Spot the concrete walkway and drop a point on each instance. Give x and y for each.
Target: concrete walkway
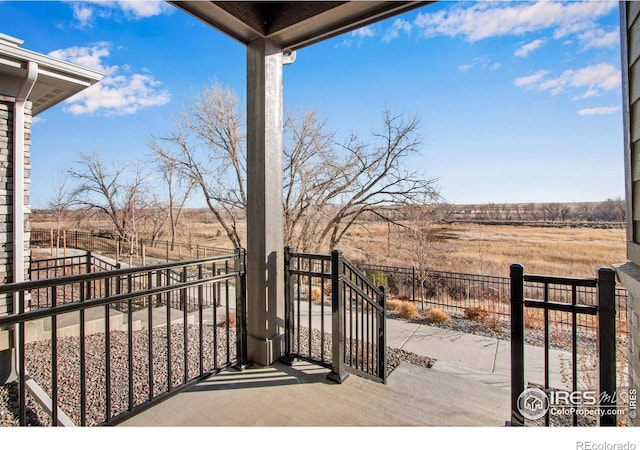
(477, 357)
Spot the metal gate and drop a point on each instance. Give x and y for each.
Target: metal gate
(569, 302)
(327, 297)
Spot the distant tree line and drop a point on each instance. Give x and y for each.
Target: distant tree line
(610, 210)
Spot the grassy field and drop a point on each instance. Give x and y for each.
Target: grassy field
(490, 249)
(457, 247)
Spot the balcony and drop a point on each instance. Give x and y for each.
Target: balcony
(175, 352)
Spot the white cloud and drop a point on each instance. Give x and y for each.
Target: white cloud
(530, 79)
(357, 36)
(599, 38)
(143, 8)
(598, 110)
(398, 26)
(364, 32)
(118, 93)
(596, 79)
(89, 57)
(482, 63)
(528, 48)
(84, 12)
(492, 19)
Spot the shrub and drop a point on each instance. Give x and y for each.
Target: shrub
(403, 297)
(476, 313)
(436, 315)
(394, 305)
(533, 318)
(408, 310)
(316, 293)
(229, 322)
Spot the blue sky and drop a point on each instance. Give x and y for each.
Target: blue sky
(517, 102)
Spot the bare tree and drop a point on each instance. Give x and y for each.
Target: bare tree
(426, 242)
(554, 212)
(307, 178)
(207, 146)
(330, 187)
(179, 187)
(153, 219)
(60, 204)
(117, 193)
(585, 211)
(369, 178)
(610, 210)
(327, 187)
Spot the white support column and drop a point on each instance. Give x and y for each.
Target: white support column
(265, 242)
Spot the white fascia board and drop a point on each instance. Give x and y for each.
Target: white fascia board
(54, 66)
(63, 77)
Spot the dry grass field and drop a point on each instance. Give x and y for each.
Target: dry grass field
(490, 249)
(456, 247)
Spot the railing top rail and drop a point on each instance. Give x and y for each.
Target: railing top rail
(559, 306)
(566, 281)
(49, 282)
(431, 271)
(113, 298)
(58, 258)
(92, 233)
(311, 255)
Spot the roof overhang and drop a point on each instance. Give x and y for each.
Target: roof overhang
(292, 25)
(56, 81)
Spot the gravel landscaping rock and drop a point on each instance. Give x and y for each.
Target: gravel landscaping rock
(38, 361)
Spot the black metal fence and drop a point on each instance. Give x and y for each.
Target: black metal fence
(89, 262)
(565, 300)
(89, 363)
(460, 293)
(325, 297)
(112, 245)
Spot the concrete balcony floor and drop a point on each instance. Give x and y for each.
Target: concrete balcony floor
(281, 396)
(468, 385)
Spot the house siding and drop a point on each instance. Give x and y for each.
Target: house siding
(629, 274)
(6, 194)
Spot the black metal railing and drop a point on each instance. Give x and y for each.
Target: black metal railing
(325, 297)
(89, 363)
(362, 323)
(557, 300)
(308, 307)
(64, 266)
(91, 262)
(460, 293)
(112, 245)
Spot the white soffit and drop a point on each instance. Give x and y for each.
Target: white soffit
(57, 80)
(292, 25)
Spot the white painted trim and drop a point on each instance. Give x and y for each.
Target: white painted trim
(49, 63)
